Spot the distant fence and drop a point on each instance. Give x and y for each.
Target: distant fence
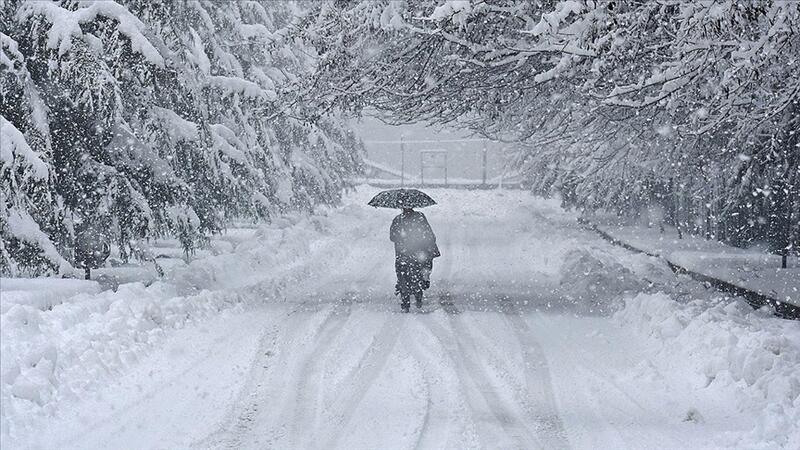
(439, 162)
(382, 175)
(385, 184)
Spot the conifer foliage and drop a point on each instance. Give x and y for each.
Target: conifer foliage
(148, 119)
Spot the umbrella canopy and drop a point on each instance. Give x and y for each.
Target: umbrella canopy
(401, 198)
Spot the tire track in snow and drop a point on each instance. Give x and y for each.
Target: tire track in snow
(304, 412)
(245, 408)
(436, 430)
(515, 422)
(295, 408)
(550, 432)
(268, 382)
(424, 427)
(489, 411)
(534, 393)
(302, 404)
(470, 377)
(282, 374)
(372, 362)
(610, 431)
(543, 410)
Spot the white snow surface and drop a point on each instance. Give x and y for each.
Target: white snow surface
(457, 11)
(13, 145)
(535, 334)
(178, 128)
(753, 269)
(240, 86)
(66, 24)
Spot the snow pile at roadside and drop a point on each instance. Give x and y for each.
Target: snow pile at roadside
(727, 350)
(753, 268)
(58, 353)
(595, 280)
(63, 348)
(42, 293)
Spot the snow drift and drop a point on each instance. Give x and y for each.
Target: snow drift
(728, 351)
(61, 338)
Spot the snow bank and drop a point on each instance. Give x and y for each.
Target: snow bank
(60, 353)
(594, 279)
(58, 347)
(42, 293)
(751, 269)
(727, 350)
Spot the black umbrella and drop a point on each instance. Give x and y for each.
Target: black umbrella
(401, 198)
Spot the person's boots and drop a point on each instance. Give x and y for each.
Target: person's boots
(419, 299)
(405, 302)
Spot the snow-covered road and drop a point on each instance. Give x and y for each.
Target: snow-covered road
(524, 342)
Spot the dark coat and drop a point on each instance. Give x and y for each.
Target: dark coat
(413, 237)
(415, 247)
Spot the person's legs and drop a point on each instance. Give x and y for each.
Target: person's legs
(411, 280)
(405, 302)
(402, 269)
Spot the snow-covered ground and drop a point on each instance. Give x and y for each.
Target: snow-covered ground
(752, 269)
(535, 334)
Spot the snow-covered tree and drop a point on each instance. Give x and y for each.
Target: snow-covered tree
(617, 104)
(148, 119)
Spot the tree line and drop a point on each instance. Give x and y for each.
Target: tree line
(692, 106)
(146, 119)
(149, 119)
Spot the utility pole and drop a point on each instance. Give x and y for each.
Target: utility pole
(422, 168)
(505, 166)
(445, 170)
(402, 162)
(483, 173)
(787, 242)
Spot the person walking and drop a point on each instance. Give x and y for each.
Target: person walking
(414, 242)
(415, 248)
